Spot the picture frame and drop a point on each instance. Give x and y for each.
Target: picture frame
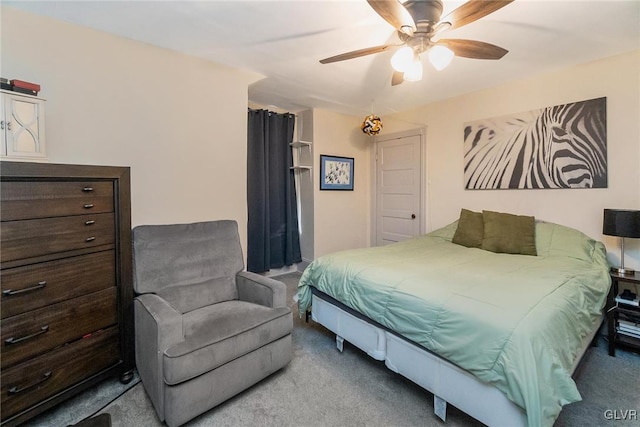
(336, 173)
(557, 147)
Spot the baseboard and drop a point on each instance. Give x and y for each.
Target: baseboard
(298, 267)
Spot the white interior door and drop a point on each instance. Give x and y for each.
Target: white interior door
(398, 208)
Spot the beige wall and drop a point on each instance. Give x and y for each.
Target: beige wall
(341, 218)
(179, 122)
(617, 78)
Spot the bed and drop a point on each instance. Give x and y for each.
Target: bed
(496, 335)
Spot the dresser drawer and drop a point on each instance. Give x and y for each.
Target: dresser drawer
(36, 237)
(37, 379)
(39, 285)
(27, 200)
(36, 332)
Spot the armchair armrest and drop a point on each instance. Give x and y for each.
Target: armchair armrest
(261, 290)
(157, 327)
(167, 320)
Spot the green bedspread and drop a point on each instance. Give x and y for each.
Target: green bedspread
(514, 321)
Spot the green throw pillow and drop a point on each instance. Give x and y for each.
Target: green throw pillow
(510, 234)
(470, 231)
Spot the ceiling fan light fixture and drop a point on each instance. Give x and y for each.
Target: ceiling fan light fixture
(440, 56)
(414, 72)
(402, 59)
(419, 25)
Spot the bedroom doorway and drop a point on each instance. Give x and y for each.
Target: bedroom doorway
(398, 202)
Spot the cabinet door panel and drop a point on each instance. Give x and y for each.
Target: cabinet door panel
(24, 126)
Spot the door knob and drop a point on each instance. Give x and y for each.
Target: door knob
(413, 216)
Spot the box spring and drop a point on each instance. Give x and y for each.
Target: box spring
(430, 371)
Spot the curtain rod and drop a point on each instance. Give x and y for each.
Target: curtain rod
(249, 110)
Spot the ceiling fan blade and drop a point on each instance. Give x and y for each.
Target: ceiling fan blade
(397, 78)
(472, 11)
(395, 14)
(356, 53)
(473, 49)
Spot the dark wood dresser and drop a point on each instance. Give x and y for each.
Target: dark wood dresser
(65, 260)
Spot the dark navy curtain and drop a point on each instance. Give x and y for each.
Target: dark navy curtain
(273, 237)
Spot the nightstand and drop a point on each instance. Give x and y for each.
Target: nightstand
(625, 312)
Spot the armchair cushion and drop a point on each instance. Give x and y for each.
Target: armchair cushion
(186, 298)
(222, 332)
(183, 254)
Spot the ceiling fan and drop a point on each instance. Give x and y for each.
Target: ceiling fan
(419, 24)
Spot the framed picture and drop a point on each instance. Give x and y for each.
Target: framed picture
(336, 173)
(561, 146)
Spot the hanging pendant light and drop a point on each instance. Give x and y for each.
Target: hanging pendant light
(371, 125)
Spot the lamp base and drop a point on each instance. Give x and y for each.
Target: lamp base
(623, 271)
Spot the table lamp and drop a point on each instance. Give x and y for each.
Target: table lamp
(621, 223)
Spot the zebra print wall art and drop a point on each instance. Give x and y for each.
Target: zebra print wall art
(564, 146)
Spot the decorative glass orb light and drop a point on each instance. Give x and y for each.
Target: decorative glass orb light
(440, 56)
(402, 59)
(414, 72)
(372, 125)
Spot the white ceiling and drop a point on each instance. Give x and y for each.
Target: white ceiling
(284, 40)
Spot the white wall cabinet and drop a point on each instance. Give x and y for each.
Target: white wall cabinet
(22, 127)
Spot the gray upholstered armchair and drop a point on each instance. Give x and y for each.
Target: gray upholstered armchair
(204, 329)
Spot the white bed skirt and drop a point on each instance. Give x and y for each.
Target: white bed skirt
(445, 380)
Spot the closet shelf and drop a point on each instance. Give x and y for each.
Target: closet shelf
(298, 144)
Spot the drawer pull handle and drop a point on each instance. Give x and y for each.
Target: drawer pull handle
(90, 222)
(10, 292)
(87, 189)
(16, 389)
(88, 206)
(90, 239)
(13, 340)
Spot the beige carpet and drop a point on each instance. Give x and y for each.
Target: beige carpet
(323, 387)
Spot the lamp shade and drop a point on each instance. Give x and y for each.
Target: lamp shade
(440, 56)
(402, 59)
(371, 125)
(621, 223)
